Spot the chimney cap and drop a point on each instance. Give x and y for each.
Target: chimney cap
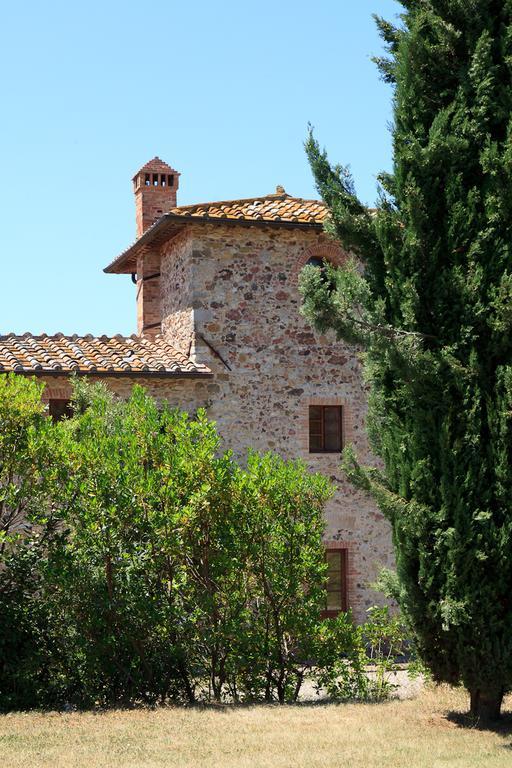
(156, 165)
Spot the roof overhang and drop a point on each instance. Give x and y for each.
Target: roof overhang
(170, 224)
(115, 374)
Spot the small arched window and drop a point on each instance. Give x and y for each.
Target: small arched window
(315, 261)
(320, 263)
(322, 256)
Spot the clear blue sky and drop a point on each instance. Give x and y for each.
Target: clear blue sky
(222, 91)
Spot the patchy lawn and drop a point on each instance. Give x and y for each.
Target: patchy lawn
(414, 733)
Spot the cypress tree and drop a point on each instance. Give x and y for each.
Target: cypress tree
(431, 308)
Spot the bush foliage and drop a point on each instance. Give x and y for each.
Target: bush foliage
(141, 563)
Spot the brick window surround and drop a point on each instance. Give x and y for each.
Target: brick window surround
(327, 251)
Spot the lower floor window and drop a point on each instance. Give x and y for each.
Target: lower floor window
(60, 409)
(336, 587)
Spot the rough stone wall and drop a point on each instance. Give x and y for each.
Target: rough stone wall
(243, 293)
(186, 394)
(176, 299)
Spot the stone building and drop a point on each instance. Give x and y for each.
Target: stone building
(218, 325)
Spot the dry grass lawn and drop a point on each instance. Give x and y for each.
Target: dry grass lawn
(408, 734)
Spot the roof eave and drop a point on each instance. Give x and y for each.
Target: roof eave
(113, 374)
(163, 228)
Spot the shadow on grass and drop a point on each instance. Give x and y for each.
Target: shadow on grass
(308, 704)
(201, 706)
(503, 726)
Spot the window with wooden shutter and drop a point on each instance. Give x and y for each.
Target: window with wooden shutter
(336, 587)
(325, 428)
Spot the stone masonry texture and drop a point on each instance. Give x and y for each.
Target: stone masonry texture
(230, 297)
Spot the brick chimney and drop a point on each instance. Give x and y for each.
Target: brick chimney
(155, 187)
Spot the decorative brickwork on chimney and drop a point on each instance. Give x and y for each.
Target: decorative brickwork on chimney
(155, 187)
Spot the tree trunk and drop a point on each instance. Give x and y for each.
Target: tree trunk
(189, 689)
(486, 703)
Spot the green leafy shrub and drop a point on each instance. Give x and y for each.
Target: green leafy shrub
(30, 469)
(182, 575)
(152, 567)
(360, 662)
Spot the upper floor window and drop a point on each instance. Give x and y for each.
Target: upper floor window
(315, 261)
(60, 409)
(325, 428)
(320, 263)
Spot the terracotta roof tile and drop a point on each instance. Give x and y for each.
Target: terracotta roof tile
(275, 209)
(96, 355)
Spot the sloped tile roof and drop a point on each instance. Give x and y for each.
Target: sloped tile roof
(104, 355)
(278, 209)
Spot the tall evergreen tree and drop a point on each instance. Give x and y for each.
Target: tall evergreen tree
(432, 310)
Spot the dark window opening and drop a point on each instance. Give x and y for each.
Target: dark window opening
(325, 429)
(163, 181)
(336, 586)
(315, 261)
(155, 179)
(321, 264)
(147, 181)
(60, 409)
(170, 180)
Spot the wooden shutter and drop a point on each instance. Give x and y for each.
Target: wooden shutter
(325, 428)
(336, 587)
